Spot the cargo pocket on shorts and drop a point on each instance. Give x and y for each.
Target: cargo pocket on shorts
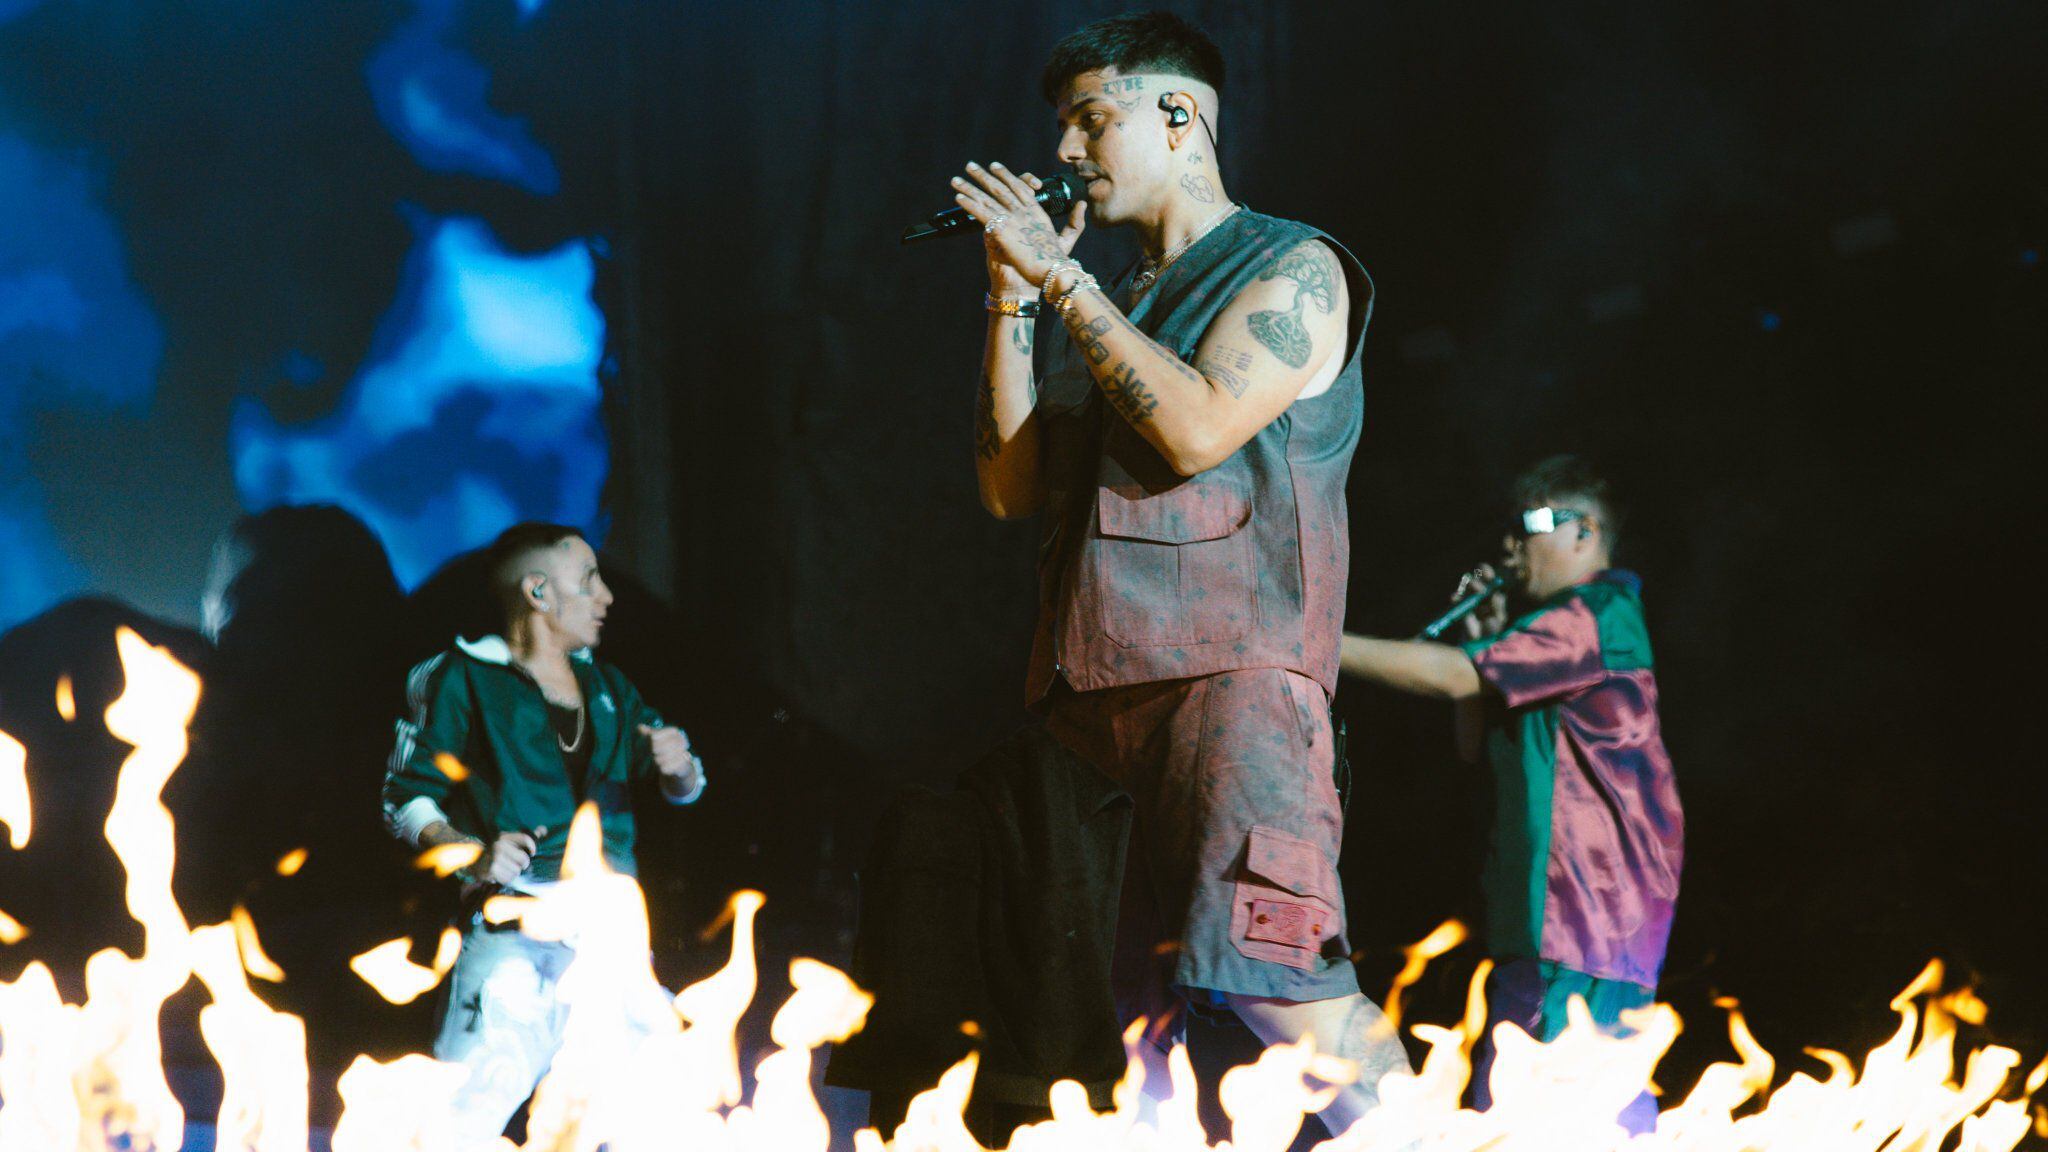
(1286, 904)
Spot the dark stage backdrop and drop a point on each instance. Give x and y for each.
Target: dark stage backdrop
(1777, 265)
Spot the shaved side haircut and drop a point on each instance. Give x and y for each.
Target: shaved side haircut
(516, 553)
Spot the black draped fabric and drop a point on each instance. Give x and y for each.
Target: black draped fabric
(988, 924)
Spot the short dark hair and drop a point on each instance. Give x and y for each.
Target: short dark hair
(510, 555)
(1572, 480)
(1133, 42)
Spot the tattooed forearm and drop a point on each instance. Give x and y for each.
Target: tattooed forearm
(1128, 394)
(988, 441)
(1089, 337)
(1021, 336)
(1282, 332)
(1114, 318)
(1230, 367)
(1199, 187)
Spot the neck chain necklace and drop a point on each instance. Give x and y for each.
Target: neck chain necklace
(1149, 270)
(582, 713)
(571, 746)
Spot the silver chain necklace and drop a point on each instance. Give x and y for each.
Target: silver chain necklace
(582, 712)
(1149, 270)
(571, 746)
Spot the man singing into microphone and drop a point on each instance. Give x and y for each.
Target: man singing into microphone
(1587, 839)
(1187, 434)
(538, 727)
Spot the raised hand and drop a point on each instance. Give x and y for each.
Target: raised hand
(672, 753)
(1022, 240)
(1492, 615)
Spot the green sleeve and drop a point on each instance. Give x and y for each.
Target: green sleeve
(438, 710)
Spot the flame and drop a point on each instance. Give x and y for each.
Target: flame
(447, 859)
(262, 1052)
(1446, 936)
(14, 806)
(640, 1071)
(11, 930)
(290, 863)
(503, 909)
(450, 767)
(637, 1068)
(405, 1105)
(1964, 1005)
(250, 948)
(67, 704)
(714, 1005)
(124, 1097)
(389, 969)
(39, 1051)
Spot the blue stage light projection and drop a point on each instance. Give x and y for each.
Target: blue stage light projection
(431, 97)
(477, 407)
(9, 9)
(75, 333)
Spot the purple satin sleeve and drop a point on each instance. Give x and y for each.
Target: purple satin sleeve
(1617, 834)
(1553, 653)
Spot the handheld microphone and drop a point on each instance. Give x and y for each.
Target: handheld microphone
(1056, 192)
(1465, 607)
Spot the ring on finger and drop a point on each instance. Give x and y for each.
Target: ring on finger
(994, 224)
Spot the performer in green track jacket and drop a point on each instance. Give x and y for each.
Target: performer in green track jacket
(505, 738)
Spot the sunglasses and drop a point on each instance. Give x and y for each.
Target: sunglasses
(1540, 521)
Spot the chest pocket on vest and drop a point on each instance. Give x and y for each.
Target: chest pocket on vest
(1176, 567)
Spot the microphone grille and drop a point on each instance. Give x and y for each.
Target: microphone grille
(1061, 190)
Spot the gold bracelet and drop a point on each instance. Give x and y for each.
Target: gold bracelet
(1020, 306)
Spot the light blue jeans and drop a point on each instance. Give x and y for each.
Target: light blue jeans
(503, 1019)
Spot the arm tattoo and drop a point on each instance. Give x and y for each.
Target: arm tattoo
(1228, 367)
(988, 442)
(1198, 186)
(1022, 335)
(1131, 397)
(1283, 333)
(1128, 394)
(1089, 337)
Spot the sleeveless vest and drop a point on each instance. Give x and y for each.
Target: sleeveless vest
(1147, 575)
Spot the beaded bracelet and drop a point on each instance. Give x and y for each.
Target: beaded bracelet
(1012, 306)
(1065, 304)
(1052, 273)
(1053, 296)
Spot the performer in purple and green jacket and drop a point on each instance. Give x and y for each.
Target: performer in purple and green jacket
(1587, 836)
